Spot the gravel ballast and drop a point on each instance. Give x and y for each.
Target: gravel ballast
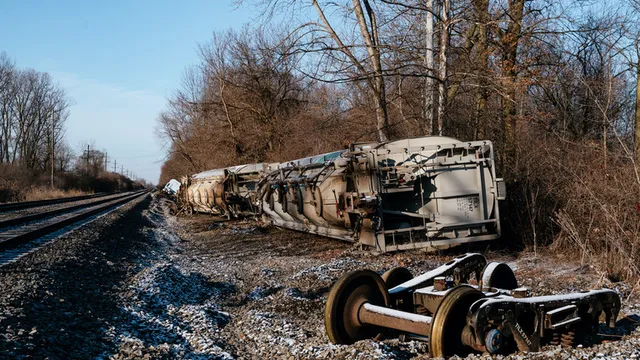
(140, 283)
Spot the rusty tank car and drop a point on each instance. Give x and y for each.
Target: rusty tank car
(430, 192)
(456, 318)
(228, 192)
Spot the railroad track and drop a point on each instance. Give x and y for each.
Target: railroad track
(25, 234)
(32, 204)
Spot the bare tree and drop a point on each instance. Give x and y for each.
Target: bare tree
(510, 41)
(369, 69)
(481, 9)
(7, 75)
(33, 110)
(445, 24)
(637, 113)
(635, 34)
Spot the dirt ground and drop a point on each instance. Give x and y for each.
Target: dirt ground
(276, 282)
(143, 283)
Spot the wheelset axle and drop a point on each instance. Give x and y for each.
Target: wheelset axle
(457, 316)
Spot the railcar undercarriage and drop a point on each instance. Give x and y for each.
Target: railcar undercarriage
(430, 192)
(457, 318)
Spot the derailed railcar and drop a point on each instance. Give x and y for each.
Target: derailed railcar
(430, 192)
(241, 197)
(172, 187)
(229, 192)
(203, 192)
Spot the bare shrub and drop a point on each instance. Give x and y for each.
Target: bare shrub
(13, 181)
(568, 196)
(46, 193)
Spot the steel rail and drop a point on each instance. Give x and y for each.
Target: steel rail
(11, 238)
(29, 204)
(27, 218)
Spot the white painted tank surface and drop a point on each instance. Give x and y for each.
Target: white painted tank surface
(429, 192)
(172, 187)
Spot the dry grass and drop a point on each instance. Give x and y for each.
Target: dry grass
(46, 193)
(19, 184)
(583, 207)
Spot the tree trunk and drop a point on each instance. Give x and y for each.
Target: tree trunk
(482, 93)
(637, 127)
(510, 41)
(428, 63)
(604, 140)
(442, 63)
(370, 37)
(382, 116)
(376, 81)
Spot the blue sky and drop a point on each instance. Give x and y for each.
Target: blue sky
(117, 60)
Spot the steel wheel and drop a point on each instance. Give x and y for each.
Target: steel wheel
(402, 300)
(345, 298)
(499, 275)
(396, 276)
(450, 319)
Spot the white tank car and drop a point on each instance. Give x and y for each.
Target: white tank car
(226, 192)
(172, 187)
(430, 192)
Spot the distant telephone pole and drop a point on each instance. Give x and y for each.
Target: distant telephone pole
(87, 159)
(53, 146)
(115, 166)
(105, 161)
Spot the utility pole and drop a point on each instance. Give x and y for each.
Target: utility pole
(115, 166)
(87, 159)
(105, 161)
(53, 146)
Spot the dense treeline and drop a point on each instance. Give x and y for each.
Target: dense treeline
(553, 85)
(33, 111)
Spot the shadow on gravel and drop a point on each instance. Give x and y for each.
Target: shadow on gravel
(157, 317)
(65, 302)
(68, 311)
(178, 289)
(624, 327)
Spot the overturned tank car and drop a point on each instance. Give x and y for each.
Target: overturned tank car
(430, 192)
(457, 318)
(172, 187)
(229, 192)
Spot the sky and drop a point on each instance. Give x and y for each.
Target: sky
(118, 61)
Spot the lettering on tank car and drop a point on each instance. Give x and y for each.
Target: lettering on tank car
(468, 205)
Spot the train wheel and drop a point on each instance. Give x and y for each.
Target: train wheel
(450, 319)
(499, 275)
(403, 300)
(345, 298)
(396, 276)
